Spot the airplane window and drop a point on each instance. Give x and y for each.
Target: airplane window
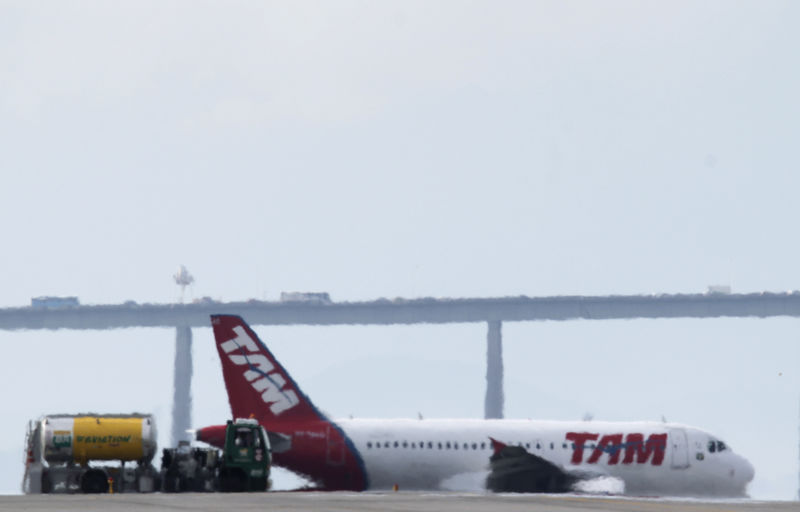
(413, 445)
(466, 446)
(369, 445)
(483, 446)
(538, 446)
(377, 445)
(551, 446)
(430, 445)
(447, 445)
(455, 446)
(396, 444)
(720, 446)
(405, 444)
(386, 445)
(440, 446)
(712, 446)
(474, 446)
(527, 445)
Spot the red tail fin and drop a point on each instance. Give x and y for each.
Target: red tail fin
(258, 386)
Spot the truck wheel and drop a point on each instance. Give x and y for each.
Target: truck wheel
(197, 484)
(169, 482)
(232, 481)
(258, 484)
(47, 486)
(94, 481)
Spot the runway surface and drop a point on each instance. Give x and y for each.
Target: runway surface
(390, 502)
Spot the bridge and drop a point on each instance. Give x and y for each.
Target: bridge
(492, 311)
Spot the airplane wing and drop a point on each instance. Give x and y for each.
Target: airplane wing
(514, 469)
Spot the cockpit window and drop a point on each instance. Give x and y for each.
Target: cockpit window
(716, 446)
(721, 446)
(712, 446)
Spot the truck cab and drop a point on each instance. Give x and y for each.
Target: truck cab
(246, 457)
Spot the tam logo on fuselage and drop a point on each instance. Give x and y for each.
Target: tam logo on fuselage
(636, 448)
(243, 351)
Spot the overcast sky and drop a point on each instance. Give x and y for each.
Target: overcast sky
(412, 149)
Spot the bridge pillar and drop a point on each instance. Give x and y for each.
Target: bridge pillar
(493, 406)
(182, 390)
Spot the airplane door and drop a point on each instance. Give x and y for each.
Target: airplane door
(679, 446)
(334, 453)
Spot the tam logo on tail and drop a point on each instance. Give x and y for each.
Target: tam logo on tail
(243, 351)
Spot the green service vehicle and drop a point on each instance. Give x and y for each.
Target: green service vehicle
(243, 465)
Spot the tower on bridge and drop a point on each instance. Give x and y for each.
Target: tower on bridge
(493, 406)
(182, 394)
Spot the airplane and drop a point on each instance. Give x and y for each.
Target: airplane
(649, 458)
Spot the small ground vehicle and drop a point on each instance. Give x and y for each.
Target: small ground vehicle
(243, 465)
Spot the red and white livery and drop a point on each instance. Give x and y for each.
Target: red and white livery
(649, 458)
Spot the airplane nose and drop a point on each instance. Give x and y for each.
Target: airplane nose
(745, 470)
(750, 471)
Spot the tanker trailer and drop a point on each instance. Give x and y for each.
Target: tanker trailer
(74, 453)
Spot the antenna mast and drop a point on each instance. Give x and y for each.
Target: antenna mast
(183, 279)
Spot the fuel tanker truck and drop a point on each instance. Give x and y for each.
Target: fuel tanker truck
(91, 453)
(75, 453)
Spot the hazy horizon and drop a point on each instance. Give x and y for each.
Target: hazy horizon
(408, 149)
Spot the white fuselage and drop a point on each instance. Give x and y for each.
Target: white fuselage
(647, 457)
(428, 453)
